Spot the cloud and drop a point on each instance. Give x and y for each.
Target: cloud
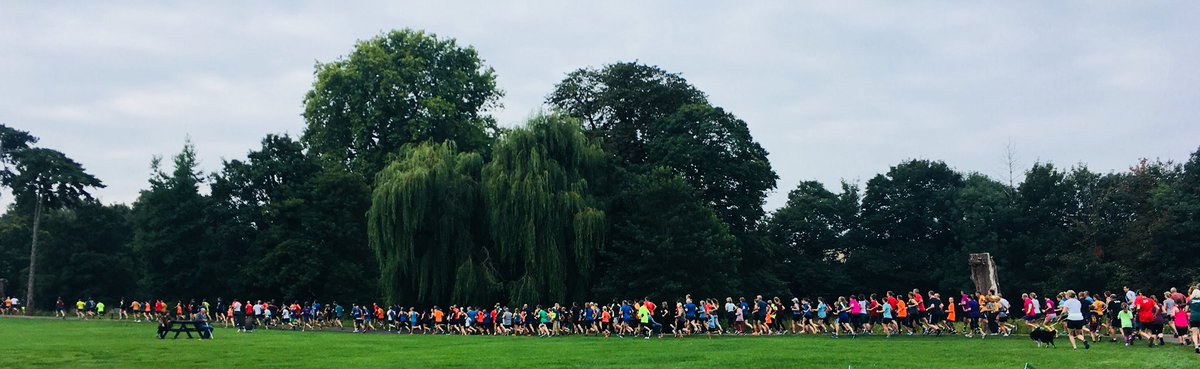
(834, 90)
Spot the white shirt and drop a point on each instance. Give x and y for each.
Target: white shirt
(730, 307)
(1130, 296)
(1074, 309)
(1005, 304)
(1037, 306)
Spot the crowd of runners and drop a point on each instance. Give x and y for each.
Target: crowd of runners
(1124, 317)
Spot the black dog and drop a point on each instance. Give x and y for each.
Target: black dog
(1044, 335)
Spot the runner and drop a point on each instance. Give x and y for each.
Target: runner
(1073, 309)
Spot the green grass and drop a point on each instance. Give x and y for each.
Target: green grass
(78, 344)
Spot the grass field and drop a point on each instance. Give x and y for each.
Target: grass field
(79, 344)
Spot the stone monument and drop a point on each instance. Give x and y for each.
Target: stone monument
(983, 272)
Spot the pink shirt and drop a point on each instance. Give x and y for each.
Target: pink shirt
(1181, 319)
(855, 307)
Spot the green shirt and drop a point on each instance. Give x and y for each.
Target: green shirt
(1194, 306)
(542, 316)
(100, 306)
(644, 314)
(1126, 318)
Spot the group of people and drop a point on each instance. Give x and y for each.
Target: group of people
(12, 306)
(1084, 317)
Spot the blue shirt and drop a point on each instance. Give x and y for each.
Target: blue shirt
(973, 306)
(689, 310)
(626, 312)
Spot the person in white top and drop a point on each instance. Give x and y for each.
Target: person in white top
(1073, 309)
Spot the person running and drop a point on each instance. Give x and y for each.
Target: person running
(1149, 314)
(60, 308)
(1179, 316)
(1073, 309)
(887, 321)
(1193, 307)
(971, 310)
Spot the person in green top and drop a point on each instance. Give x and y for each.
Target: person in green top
(100, 310)
(543, 318)
(1126, 318)
(1193, 307)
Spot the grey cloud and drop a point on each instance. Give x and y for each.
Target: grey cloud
(834, 90)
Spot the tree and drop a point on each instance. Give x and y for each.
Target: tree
(46, 179)
(714, 152)
(423, 224)
(12, 142)
(665, 243)
(171, 232)
(297, 227)
(83, 251)
(651, 118)
(908, 216)
(812, 233)
(398, 88)
(619, 103)
(1178, 232)
(546, 224)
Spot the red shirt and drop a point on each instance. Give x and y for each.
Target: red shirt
(892, 301)
(650, 306)
(920, 302)
(1145, 308)
(874, 308)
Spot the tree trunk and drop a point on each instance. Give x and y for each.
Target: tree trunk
(37, 221)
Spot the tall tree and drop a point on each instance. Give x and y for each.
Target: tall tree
(171, 230)
(544, 220)
(423, 224)
(46, 179)
(297, 227)
(908, 215)
(666, 243)
(714, 152)
(12, 142)
(398, 88)
(812, 232)
(619, 102)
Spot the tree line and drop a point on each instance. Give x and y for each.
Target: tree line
(403, 189)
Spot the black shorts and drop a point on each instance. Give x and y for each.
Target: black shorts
(1127, 331)
(1194, 323)
(1075, 324)
(887, 320)
(1154, 328)
(1181, 331)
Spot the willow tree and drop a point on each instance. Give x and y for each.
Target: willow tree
(546, 226)
(422, 226)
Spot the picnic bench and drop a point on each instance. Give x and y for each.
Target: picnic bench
(185, 326)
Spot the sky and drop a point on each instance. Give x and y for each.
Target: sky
(834, 90)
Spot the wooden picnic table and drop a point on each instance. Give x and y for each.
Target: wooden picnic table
(187, 327)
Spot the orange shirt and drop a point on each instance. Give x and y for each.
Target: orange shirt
(950, 313)
(901, 309)
(437, 316)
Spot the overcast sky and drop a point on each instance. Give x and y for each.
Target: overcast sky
(833, 90)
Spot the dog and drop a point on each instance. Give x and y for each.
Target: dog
(1044, 335)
